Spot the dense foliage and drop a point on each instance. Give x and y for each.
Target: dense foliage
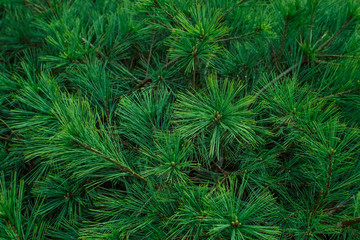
(179, 119)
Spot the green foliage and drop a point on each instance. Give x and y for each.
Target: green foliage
(18, 221)
(219, 111)
(179, 119)
(232, 212)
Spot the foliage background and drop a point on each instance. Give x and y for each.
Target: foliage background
(179, 119)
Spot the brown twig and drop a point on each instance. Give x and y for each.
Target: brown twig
(337, 56)
(224, 172)
(315, 207)
(194, 74)
(283, 38)
(330, 158)
(150, 52)
(6, 139)
(48, 4)
(221, 182)
(13, 229)
(343, 93)
(11, 130)
(348, 223)
(334, 209)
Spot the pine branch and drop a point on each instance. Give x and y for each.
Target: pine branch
(37, 8)
(337, 56)
(145, 81)
(328, 63)
(330, 158)
(348, 223)
(13, 229)
(319, 203)
(293, 214)
(143, 206)
(225, 173)
(197, 10)
(157, 4)
(316, 205)
(150, 54)
(48, 4)
(231, 9)
(343, 93)
(287, 20)
(331, 40)
(220, 183)
(194, 75)
(6, 139)
(334, 209)
(6, 125)
(11, 130)
(160, 23)
(283, 74)
(121, 166)
(237, 37)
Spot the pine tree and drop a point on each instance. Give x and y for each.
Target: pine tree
(179, 119)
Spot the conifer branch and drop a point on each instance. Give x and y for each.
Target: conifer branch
(6, 125)
(287, 20)
(220, 183)
(225, 173)
(343, 93)
(348, 223)
(316, 205)
(283, 74)
(6, 139)
(231, 9)
(117, 163)
(48, 4)
(194, 75)
(150, 54)
(274, 94)
(334, 209)
(13, 229)
(11, 130)
(331, 40)
(237, 37)
(337, 56)
(330, 158)
(157, 4)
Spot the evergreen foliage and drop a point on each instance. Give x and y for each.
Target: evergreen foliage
(179, 119)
